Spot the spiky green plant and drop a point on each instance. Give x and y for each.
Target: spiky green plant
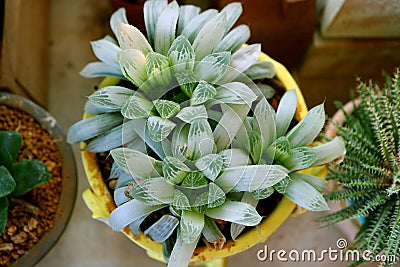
(194, 138)
(16, 178)
(369, 175)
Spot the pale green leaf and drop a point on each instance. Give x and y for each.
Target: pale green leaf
(212, 67)
(166, 27)
(119, 16)
(235, 93)
(190, 114)
(129, 212)
(266, 90)
(139, 165)
(91, 127)
(181, 201)
(255, 146)
(213, 234)
(129, 37)
(200, 139)
(282, 186)
(210, 165)
(186, 14)
(182, 252)
(202, 93)
(317, 182)
(306, 196)
(166, 108)
(100, 69)
(137, 106)
(194, 179)
(159, 128)
(216, 196)
(209, 36)
(181, 55)
(261, 70)
(162, 229)
(191, 225)
(120, 197)
(286, 110)
(152, 10)
(234, 39)
(153, 191)
(192, 29)
(158, 71)
(233, 12)
(179, 141)
(330, 151)
(308, 128)
(234, 157)
(174, 170)
(264, 122)
(106, 51)
(279, 149)
(133, 66)
(237, 229)
(263, 193)
(300, 158)
(113, 97)
(250, 178)
(236, 212)
(187, 81)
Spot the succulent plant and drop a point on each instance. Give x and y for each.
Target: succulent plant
(16, 178)
(193, 138)
(369, 174)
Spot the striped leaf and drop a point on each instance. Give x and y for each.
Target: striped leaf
(300, 158)
(200, 139)
(279, 149)
(263, 193)
(158, 71)
(181, 54)
(190, 226)
(187, 81)
(186, 14)
(235, 93)
(180, 141)
(137, 106)
(180, 202)
(261, 70)
(236, 212)
(265, 122)
(212, 67)
(234, 157)
(233, 12)
(210, 165)
(192, 29)
(255, 146)
(237, 229)
(118, 17)
(190, 114)
(129, 37)
(216, 196)
(317, 182)
(152, 10)
(286, 110)
(112, 97)
(234, 39)
(133, 66)
(166, 27)
(174, 170)
(159, 128)
(153, 191)
(166, 108)
(194, 179)
(162, 229)
(202, 93)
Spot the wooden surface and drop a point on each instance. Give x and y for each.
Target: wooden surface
(25, 49)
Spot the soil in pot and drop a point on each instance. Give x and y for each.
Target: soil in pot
(33, 214)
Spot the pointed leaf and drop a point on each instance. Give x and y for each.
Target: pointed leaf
(10, 144)
(317, 182)
(153, 191)
(166, 27)
(159, 128)
(137, 106)
(234, 39)
(236, 212)
(7, 183)
(139, 165)
(129, 37)
(216, 196)
(300, 158)
(187, 81)
(181, 54)
(166, 108)
(234, 158)
(306, 196)
(152, 10)
(133, 66)
(182, 252)
(250, 178)
(200, 139)
(265, 123)
(202, 93)
(330, 151)
(279, 150)
(155, 64)
(282, 186)
(174, 170)
(286, 110)
(181, 202)
(261, 70)
(233, 12)
(308, 128)
(179, 141)
(100, 69)
(119, 16)
(192, 29)
(191, 225)
(186, 15)
(263, 193)
(163, 228)
(237, 229)
(194, 179)
(113, 97)
(190, 114)
(106, 51)
(211, 165)
(209, 36)
(212, 67)
(129, 212)
(235, 93)
(88, 128)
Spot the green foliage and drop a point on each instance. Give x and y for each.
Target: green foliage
(370, 173)
(16, 178)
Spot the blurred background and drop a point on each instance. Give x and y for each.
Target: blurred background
(326, 44)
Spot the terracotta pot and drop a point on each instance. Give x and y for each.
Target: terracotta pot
(69, 181)
(100, 201)
(348, 227)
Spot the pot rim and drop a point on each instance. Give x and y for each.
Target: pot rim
(69, 178)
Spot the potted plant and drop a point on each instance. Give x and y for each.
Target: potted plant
(366, 181)
(198, 153)
(34, 154)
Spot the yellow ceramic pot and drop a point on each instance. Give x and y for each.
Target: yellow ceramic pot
(100, 201)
